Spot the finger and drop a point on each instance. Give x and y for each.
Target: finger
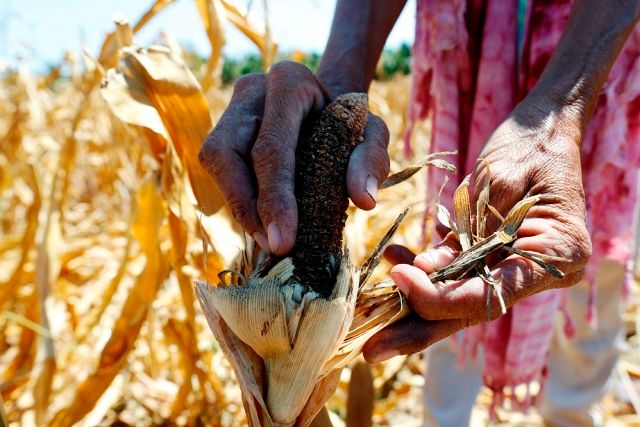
(442, 230)
(292, 93)
(409, 336)
(369, 164)
(450, 300)
(439, 256)
(398, 254)
(225, 152)
(570, 243)
(518, 278)
(521, 277)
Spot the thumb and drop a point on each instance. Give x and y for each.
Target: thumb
(369, 164)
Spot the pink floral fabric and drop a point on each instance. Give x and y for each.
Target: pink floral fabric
(468, 76)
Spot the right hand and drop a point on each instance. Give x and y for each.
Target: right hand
(251, 152)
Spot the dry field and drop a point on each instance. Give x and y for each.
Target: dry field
(106, 219)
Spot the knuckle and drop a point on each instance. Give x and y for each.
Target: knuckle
(286, 69)
(266, 150)
(248, 81)
(211, 153)
(244, 214)
(575, 245)
(382, 161)
(585, 248)
(380, 129)
(287, 76)
(270, 202)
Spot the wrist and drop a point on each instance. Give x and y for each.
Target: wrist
(571, 103)
(550, 114)
(338, 81)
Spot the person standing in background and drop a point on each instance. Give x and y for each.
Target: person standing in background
(489, 59)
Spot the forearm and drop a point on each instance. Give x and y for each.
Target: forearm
(592, 39)
(358, 34)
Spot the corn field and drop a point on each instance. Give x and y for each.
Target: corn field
(107, 219)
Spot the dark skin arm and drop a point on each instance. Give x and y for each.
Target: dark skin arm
(251, 151)
(359, 31)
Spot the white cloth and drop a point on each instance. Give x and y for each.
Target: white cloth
(580, 369)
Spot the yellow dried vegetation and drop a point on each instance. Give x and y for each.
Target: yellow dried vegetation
(107, 219)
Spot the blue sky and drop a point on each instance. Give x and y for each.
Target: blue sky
(38, 32)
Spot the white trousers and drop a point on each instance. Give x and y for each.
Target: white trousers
(580, 369)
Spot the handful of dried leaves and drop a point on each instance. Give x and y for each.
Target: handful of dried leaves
(476, 247)
(289, 325)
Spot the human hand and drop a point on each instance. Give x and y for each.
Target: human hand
(251, 152)
(532, 153)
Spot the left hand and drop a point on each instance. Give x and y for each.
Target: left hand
(534, 152)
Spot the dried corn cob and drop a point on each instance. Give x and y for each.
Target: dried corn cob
(321, 191)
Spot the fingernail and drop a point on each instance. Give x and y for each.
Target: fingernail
(385, 355)
(371, 186)
(427, 257)
(432, 258)
(262, 241)
(275, 238)
(400, 282)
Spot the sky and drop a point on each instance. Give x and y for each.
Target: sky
(38, 32)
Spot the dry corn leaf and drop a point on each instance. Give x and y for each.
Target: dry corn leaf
(483, 186)
(150, 213)
(186, 364)
(8, 289)
(443, 215)
(44, 275)
(17, 370)
(3, 415)
(434, 160)
(259, 36)
(48, 267)
(462, 211)
(91, 319)
(213, 17)
(131, 104)
(507, 233)
(178, 100)
(244, 360)
(108, 56)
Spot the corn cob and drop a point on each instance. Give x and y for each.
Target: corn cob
(321, 191)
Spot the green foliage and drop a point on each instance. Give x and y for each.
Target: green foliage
(394, 61)
(233, 68)
(391, 62)
(312, 61)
